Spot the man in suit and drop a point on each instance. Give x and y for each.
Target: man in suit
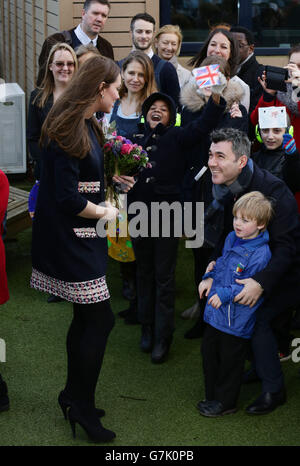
(249, 69)
(142, 28)
(93, 18)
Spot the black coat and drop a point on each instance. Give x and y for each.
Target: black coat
(35, 120)
(281, 278)
(66, 250)
(193, 105)
(169, 148)
(167, 78)
(69, 37)
(284, 166)
(249, 73)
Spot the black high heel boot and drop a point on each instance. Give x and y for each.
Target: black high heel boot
(89, 421)
(65, 403)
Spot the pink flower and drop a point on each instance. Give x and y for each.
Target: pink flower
(136, 157)
(119, 138)
(126, 149)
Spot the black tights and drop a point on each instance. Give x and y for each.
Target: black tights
(86, 343)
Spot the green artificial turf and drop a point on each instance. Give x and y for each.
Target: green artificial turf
(146, 404)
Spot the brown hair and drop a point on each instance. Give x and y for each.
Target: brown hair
(217, 60)
(234, 52)
(47, 85)
(65, 122)
(84, 49)
(150, 84)
(254, 206)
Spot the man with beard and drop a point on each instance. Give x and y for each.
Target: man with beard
(142, 28)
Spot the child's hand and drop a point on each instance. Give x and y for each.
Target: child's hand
(210, 266)
(126, 182)
(204, 287)
(235, 111)
(215, 301)
(288, 144)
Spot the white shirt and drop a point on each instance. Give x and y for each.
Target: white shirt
(241, 64)
(84, 39)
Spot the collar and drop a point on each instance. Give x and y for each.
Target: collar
(83, 37)
(222, 192)
(245, 61)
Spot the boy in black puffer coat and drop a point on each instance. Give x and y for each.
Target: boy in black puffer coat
(169, 147)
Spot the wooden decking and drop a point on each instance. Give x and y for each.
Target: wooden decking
(18, 218)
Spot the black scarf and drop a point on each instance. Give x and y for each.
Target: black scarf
(222, 194)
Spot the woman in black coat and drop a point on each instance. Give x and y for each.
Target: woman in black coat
(69, 255)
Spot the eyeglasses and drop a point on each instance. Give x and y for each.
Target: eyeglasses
(61, 64)
(241, 45)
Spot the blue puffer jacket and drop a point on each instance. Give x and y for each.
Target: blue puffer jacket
(240, 259)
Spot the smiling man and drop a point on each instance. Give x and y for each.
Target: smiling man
(234, 174)
(142, 29)
(249, 69)
(93, 19)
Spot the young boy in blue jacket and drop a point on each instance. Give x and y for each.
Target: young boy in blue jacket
(230, 324)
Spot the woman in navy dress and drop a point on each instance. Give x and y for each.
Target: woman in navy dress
(69, 258)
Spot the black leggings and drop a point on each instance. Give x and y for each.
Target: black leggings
(86, 343)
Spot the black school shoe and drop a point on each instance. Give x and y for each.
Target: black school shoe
(213, 408)
(267, 402)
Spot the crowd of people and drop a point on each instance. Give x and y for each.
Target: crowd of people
(206, 144)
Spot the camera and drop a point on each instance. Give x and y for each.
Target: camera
(276, 77)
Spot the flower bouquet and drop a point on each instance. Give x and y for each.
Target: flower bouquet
(122, 157)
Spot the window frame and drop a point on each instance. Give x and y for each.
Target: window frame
(245, 19)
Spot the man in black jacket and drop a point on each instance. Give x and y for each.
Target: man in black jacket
(142, 30)
(234, 174)
(249, 69)
(93, 19)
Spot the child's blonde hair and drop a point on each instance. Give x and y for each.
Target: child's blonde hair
(254, 206)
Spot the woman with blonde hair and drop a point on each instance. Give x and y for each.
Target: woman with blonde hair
(61, 65)
(167, 45)
(59, 70)
(69, 255)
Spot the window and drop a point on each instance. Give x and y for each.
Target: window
(275, 24)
